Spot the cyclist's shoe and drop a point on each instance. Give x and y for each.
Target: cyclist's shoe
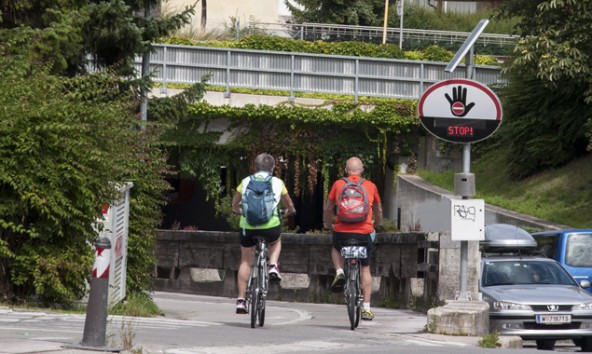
(338, 283)
(274, 274)
(241, 307)
(367, 315)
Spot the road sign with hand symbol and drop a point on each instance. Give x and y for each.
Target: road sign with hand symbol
(460, 110)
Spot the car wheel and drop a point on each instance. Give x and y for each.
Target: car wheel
(586, 344)
(545, 344)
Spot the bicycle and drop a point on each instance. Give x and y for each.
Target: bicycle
(258, 283)
(353, 251)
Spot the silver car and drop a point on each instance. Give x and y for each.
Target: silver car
(532, 296)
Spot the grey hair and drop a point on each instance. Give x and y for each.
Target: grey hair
(265, 162)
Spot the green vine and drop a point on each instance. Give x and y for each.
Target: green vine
(310, 144)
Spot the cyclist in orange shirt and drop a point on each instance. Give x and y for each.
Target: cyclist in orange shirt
(363, 231)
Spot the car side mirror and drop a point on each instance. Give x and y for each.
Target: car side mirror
(585, 284)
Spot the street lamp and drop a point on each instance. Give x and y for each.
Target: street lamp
(400, 7)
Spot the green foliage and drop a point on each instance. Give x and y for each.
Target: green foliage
(356, 12)
(556, 50)
(110, 31)
(136, 304)
(307, 139)
(556, 45)
(542, 124)
(420, 17)
(490, 341)
(70, 138)
(389, 225)
(54, 150)
(561, 195)
(435, 53)
(65, 145)
(358, 49)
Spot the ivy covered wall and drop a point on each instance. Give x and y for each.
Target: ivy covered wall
(310, 144)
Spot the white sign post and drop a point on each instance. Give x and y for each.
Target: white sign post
(467, 219)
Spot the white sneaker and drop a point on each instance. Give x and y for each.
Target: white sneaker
(274, 274)
(241, 306)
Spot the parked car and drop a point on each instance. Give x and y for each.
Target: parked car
(532, 296)
(572, 248)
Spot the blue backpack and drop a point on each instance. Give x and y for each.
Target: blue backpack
(258, 201)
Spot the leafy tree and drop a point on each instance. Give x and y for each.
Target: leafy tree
(63, 141)
(113, 32)
(556, 44)
(69, 137)
(548, 100)
(344, 12)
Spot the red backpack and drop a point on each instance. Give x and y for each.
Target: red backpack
(352, 202)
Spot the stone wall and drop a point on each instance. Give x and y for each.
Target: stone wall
(203, 262)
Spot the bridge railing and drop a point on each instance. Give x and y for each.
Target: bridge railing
(303, 72)
(321, 31)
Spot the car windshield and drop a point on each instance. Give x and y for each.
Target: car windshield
(579, 250)
(524, 272)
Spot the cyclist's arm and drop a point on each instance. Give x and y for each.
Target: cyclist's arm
(328, 214)
(288, 204)
(377, 211)
(236, 201)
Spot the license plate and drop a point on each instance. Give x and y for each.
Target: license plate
(553, 319)
(354, 252)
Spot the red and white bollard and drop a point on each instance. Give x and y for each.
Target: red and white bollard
(95, 327)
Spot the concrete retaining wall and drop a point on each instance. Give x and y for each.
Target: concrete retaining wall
(206, 263)
(425, 207)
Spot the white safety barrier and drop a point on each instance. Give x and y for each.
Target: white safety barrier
(115, 226)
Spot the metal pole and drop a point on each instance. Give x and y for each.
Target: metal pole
(400, 12)
(95, 326)
(386, 5)
(464, 245)
(145, 70)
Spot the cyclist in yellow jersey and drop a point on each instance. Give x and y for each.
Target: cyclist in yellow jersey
(265, 164)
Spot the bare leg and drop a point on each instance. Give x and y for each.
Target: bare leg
(274, 251)
(244, 270)
(366, 279)
(337, 259)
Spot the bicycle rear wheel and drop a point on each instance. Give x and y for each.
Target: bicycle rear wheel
(351, 295)
(254, 298)
(261, 306)
(358, 307)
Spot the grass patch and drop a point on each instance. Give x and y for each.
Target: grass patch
(136, 305)
(28, 306)
(490, 341)
(562, 195)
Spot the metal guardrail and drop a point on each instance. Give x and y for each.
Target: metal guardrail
(321, 31)
(302, 72)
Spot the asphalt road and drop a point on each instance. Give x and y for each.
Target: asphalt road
(202, 325)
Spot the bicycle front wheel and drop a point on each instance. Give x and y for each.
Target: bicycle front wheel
(351, 295)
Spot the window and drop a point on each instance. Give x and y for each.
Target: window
(579, 250)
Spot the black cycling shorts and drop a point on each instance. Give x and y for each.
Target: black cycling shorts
(340, 237)
(271, 235)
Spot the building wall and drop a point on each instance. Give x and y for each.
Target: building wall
(219, 12)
